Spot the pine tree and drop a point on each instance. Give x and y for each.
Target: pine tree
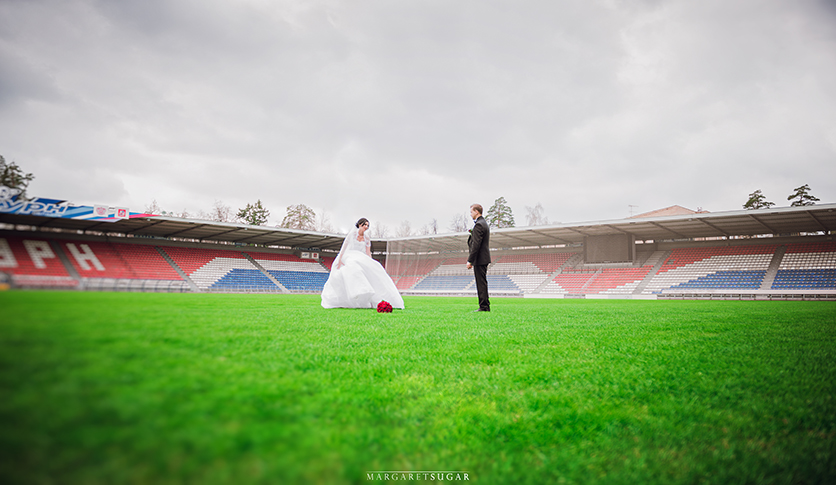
(500, 215)
(802, 194)
(757, 201)
(12, 176)
(254, 214)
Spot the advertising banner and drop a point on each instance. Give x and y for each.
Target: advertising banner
(40, 206)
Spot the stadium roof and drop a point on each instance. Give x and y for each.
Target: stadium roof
(777, 221)
(173, 227)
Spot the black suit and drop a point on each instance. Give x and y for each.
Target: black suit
(480, 258)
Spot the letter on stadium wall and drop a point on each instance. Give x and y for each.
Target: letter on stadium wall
(7, 257)
(38, 252)
(83, 256)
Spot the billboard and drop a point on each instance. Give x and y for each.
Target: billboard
(613, 248)
(10, 203)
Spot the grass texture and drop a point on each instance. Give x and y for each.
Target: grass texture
(198, 388)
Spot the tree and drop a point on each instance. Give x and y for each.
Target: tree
(535, 216)
(12, 176)
(458, 223)
(299, 216)
(500, 215)
(427, 229)
(254, 214)
(757, 201)
(802, 194)
(153, 208)
(221, 212)
(379, 231)
(323, 223)
(405, 230)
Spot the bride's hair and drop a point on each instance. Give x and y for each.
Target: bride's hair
(362, 221)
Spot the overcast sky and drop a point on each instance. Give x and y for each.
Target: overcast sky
(412, 110)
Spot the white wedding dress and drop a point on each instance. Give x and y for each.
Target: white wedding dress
(358, 281)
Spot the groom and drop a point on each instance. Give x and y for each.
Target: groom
(480, 256)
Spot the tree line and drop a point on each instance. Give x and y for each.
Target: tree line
(298, 216)
(301, 216)
(499, 215)
(800, 197)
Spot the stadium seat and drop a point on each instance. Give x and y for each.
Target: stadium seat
(294, 273)
(208, 267)
(32, 262)
(721, 267)
(807, 266)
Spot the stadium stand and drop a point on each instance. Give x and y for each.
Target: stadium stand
(517, 273)
(242, 279)
(406, 282)
(293, 273)
(33, 262)
(410, 274)
(784, 265)
(210, 267)
(807, 266)
(118, 261)
(531, 263)
(528, 272)
(117, 266)
(327, 261)
(718, 268)
(570, 281)
(528, 283)
(721, 267)
(419, 267)
(451, 269)
(444, 283)
(231, 270)
(617, 281)
(502, 284)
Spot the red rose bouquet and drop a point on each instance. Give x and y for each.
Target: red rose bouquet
(384, 307)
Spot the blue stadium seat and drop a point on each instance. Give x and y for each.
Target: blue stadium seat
(444, 283)
(244, 279)
(803, 279)
(502, 283)
(301, 280)
(750, 280)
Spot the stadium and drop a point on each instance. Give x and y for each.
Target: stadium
(781, 253)
(167, 350)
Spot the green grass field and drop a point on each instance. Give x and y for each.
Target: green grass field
(172, 388)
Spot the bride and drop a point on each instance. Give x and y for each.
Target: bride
(357, 280)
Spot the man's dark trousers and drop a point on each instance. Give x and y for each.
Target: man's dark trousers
(481, 274)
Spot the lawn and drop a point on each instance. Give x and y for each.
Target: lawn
(172, 388)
